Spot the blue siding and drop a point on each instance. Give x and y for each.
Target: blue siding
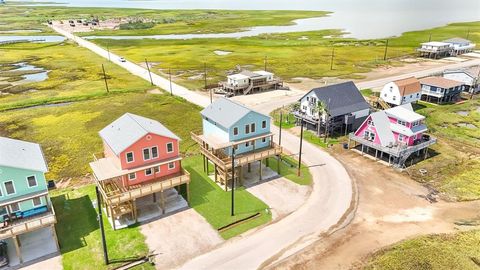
(250, 118)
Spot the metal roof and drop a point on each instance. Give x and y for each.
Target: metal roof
(382, 126)
(226, 112)
(129, 128)
(404, 112)
(22, 155)
(341, 99)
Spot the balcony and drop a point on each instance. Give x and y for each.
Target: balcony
(28, 224)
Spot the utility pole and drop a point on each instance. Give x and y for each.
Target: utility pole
(280, 133)
(468, 33)
(265, 63)
(430, 38)
(205, 74)
(170, 79)
(475, 84)
(105, 78)
(149, 73)
(300, 152)
(233, 181)
(331, 60)
(385, 53)
(102, 230)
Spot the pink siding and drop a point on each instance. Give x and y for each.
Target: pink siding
(108, 152)
(164, 171)
(366, 127)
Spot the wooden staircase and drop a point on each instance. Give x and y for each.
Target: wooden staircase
(249, 88)
(384, 105)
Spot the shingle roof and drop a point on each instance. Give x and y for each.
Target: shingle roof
(225, 112)
(22, 155)
(440, 82)
(457, 40)
(408, 86)
(129, 128)
(342, 98)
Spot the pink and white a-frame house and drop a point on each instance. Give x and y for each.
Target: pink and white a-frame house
(398, 133)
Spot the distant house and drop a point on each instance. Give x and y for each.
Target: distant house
(228, 125)
(460, 46)
(401, 92)
(470, 77)
(247, 82)
(440, 90)
(397, 132)
(141, 159)
(25, 206)
(434, 49)
(346, 107)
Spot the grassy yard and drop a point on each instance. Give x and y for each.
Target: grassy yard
(290, 55)
(69, 134)
(213, 203)
(74, 74)
(288, 169)
(454, 167)
(79, 233)
(432, 252)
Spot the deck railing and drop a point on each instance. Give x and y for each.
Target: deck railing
(396, 150)
(28, 224)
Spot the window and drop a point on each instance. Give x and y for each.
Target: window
(146, 154)
(400, 122)
(1, 193)
(32, 181)
(155, 152)
(169, 147)
(394, 97)
(235, 131)
(9, 187)
(308, 98)
(37, 201)
(370, 122)
(247, 129)
(264, 140)
(418, 94)
(171, 165)
(148, 172)
(132, 176)
(264, 124)
(385, 95)
(400, 137)
(156, 169)
(252, 127)
(130, 158)
(14, 207)
(247, 144)
(391, 88)
(369, 135)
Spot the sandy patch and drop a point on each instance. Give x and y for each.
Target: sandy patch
(467, 125)
(462, 113)
(219, 52)
(416, 214)
(179, 237)
(155, 91)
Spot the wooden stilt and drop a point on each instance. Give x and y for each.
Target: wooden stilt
(362, 149)
(16, 242)
(278, 164)
(216, 173)
(154, 197)
(260, 170)
(135, 214)
(204, 166)
(249, 169)
(208, 171)
(426, 153)
(376, 153)
(54, 234)
(113, 219)
(162, 201)
(267, 162)
(240, 175)
(188, 193)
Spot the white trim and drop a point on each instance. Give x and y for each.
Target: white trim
(13, 185)
(151, 171)
(149, 153)
(1, 191)
(36, 182)
(135, 176)
(173, 150)
(264, 121)
(234, 131)
(171, 167)
(133, 157)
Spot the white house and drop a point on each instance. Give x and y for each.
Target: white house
(460, 45)
(470, 77)
(435, 49)
(248, 81)
(401, 92)
(238, 80)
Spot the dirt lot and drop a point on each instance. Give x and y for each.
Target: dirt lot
(389, 210)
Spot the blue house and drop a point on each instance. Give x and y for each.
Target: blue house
(228, 124)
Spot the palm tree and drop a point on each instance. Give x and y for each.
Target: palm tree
(322, 109)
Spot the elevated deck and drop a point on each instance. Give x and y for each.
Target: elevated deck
(25, 225)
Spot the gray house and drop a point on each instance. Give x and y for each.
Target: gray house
(346, 108)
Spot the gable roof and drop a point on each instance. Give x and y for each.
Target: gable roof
(408, 86)
(405, 113)
(342, 98)
(382, 126)
(472, 72)
(440, 82)
(22, 155)
(226, 112)
(457, 40)
(129, 128)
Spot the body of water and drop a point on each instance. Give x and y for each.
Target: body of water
(42, 74)
(361, 18)
(33, 38)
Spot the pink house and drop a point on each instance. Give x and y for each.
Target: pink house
(139, 153)
(398, 132)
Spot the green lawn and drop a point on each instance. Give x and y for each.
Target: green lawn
(79, 233)
(214, 204)
(432, 252)
(69, 134)
(74, 74)
(288, 169)
(454, 164)
(288, 120)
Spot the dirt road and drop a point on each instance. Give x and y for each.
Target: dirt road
(389, 211)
